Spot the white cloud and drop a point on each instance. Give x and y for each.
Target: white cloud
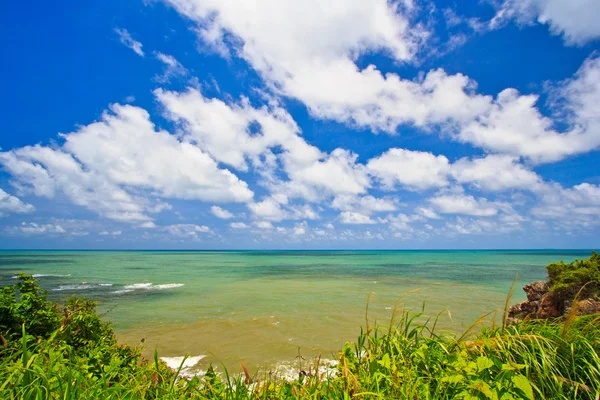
(127, 40)
(186, 231)
(100, 166)
(44, 171)
(401, 222)
(263, 224)
(113, 233)
(173, 68)
(167, 165)
(221, 213)
(237, 133)
(232, 133)
(238, 225)
(268, 209)
(478, 226)
(314, 60)
(576, 20)
(355, 218)
(580, 203)
(300, 229)
(37, 229)
(495, 173)
(463, 204)
(514, 126)
(365, 204)
(427, 213)
(414, 170)
(12, 204)
(337, 173)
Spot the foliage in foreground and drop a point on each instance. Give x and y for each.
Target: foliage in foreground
(67, 352)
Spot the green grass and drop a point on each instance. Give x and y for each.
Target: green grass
(80, 359)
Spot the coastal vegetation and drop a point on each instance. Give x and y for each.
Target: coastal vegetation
(66, 351)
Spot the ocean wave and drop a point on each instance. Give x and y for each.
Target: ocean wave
(188, 369)
(167, 286)
(147, 286)
(139, 286)
(82, 286)
(45, 276)
(175, 362)
(150, 286)
(123, 291)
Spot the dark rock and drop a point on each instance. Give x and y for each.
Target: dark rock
(536, 290)
(549, 307)
(541, 305)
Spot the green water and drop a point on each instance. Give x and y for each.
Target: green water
(264, 308)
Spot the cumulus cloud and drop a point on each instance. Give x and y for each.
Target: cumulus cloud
(463, 204)
(12, 204)
(187, 231)
(221, 213)
(414, 170)
(263, 224)
(113, 233)
(363, 204)
(581, 202)
(128, 41)
(355, 218)
(101, 167)
(321, 71)
(576, 20)
(495, 173)
(239, 225)
(39, 229)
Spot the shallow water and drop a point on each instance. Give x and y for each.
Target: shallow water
(266, 308)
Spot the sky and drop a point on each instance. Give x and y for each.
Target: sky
(282, 124)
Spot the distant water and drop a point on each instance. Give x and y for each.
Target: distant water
(267, 307)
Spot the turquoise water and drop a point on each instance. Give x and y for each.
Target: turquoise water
(264, 307)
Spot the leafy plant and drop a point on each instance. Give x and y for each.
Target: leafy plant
(567, 279)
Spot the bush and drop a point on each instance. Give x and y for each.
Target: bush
(25, 303)
(567, 279)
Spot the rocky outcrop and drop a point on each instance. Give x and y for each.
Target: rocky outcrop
(542, 304)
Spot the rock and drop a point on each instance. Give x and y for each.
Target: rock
(588, 306)
(549, 307)
(536, 290)
(542, 305)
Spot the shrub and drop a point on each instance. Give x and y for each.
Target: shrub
(567, 279)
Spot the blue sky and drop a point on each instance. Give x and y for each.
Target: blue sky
(210, 124)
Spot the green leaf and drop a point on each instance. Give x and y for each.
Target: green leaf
(522, 383)
(484, 363)
(385, 361)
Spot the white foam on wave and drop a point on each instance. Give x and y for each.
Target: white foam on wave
(139, 286)
(82, 286)
(123, 291)
(44, 276)
(167, 286)
(150, 286)
(105, 284)
(175, 362)
(187, 369)
(147, 286)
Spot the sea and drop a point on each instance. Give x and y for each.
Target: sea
(275, 310)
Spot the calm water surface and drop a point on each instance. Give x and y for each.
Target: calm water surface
(264, 308)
